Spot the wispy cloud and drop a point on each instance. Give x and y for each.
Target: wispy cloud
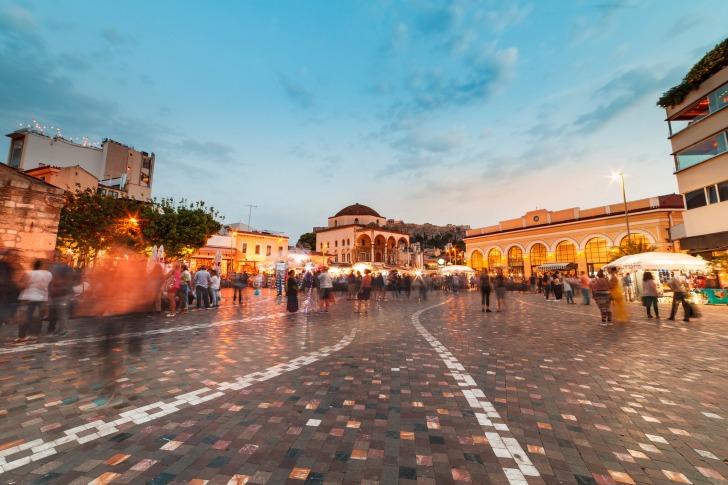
(205, 152)
(422, 141)
(115, 37)
(297, 92)
(621, 93)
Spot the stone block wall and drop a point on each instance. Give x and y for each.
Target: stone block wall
(29, 213)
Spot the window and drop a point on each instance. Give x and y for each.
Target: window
(336, 243)
(244, 247)
(723, 191)
(477, 261)
(702, 151)
(597, 254)
(257, 249)
(712, 194)
(16, 154)
(144, 178)
(348, 242)
(280, 249)
(718, 99)
(268, 250)
(538, 254)
(147, 163)
(636, 239)
(356, 220)
(566, 252)
(494, 257)
(695, 199)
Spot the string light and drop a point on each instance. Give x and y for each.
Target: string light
(41, 129)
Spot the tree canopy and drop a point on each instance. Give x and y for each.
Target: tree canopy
(307, 240)
(91, 222)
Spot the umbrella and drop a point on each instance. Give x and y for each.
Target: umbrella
(217, 263)
(160, 255)
(660, 260)
(456, 268)
(152, 258)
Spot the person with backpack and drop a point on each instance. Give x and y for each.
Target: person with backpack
(485, 288)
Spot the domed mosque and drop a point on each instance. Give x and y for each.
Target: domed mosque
(357, 233)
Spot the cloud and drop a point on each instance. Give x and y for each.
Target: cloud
(113, 36)
(297, 93)
(421, 141)
(621, 93)
(205, 153)
(19, 19)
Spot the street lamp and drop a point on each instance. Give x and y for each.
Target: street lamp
(232, 251)
(620, 175)
(323, 253)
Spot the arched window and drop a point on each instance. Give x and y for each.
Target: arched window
(566, 252)
(356, 220)
(636, 239)
(494, 258)
(476, 260)
(336, 223)
(515, 260)
(597, 254)
(538, 255)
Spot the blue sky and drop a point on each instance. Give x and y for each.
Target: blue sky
(458, 112)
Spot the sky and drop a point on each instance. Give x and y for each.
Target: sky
(441, 112)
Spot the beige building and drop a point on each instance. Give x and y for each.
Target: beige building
(355, 234)
(699, 136)
(250, 251)
(582, 239)
(118, 168)
(67, 178)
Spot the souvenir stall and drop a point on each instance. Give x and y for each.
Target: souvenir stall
(663, 266)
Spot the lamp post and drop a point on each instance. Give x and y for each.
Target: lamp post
(624, 200)
(232, 252)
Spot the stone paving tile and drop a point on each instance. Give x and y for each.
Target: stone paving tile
(412, 392)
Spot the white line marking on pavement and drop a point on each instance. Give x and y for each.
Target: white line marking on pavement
(501, 439)
(156, 331)
(99, 428)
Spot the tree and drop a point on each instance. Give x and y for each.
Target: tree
(719, 264)
(91, 222)
(632, 247)
(307, 240)
(182, 227)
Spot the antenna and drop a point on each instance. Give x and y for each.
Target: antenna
(250, 211)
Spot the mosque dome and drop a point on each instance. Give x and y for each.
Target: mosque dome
(357, 210)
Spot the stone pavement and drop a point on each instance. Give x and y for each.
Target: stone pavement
(411, 392)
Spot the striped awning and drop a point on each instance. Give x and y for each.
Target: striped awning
(555, 266)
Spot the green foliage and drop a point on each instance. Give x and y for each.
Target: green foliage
(711, 63)
(307, 241)
(631, 247)
(182, 227)
(719, 264)
(91, 222)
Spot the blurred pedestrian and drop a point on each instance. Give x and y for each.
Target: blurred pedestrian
(600, 292)
(677, 285)
(202, 282)
(183, 292)
(33, 299)
(619, 310)
(649, 288)
(628, 287)
(60, 292)
(352, 285)
(155, 282)
(362, 298)
(500, 292)
(557, 286)
(327, 288)
(238, 288)
(585, 286)
(568, 291)
(214, 288)
(486, 287)
(171, 285)
(291, 292)
(9, 278)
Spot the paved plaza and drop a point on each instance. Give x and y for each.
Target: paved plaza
(411, 392)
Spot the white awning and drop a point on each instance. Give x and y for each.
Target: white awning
(555, 266)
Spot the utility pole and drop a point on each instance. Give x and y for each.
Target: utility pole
(250, 211)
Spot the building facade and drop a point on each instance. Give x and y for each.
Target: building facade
(248, 251)
(29, 213)
(120, 169)
(583, 239)
(356, 234)
(698, 131)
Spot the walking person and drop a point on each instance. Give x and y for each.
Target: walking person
(60, 292)
(558, 288)
(485, 288)
(600, 292)
(677, 285)
(352, 284)
(327, 288)
(649, 288)
(33, 299)
(568, 291)
(546, 284)
(532, 284)
(183, 292)
(362, 298)
(9, 286)
(171, 285)
(291, 292)
(628, 286)
(238, 288)
(202, 282)
(214, 289)
(619, 310)
(585, 284)
(500, 292)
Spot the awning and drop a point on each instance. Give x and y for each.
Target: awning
(555, 266)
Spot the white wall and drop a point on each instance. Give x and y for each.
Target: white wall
(706, 220)
(47, 151)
